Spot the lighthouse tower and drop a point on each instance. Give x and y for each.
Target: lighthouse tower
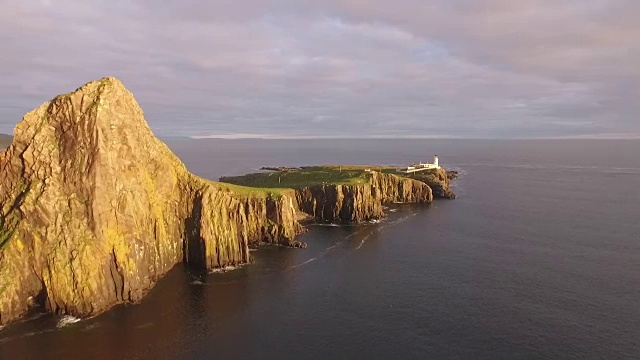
(435, 162)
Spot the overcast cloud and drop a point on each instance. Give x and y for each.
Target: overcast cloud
(349, 68)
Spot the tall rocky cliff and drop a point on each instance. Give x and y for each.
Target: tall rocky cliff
(361, 202)
(94, 209)
(438, 180)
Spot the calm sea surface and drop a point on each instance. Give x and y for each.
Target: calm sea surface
(538, 258)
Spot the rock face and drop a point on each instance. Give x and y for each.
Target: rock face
(438, 180)
(94, 209)
(356, 203)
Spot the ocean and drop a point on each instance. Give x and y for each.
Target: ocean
(537, 258)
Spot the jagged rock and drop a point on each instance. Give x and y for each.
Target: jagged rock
(357, 194)
(438, 180)
(361, 202)
(299, 245)
(94, 209)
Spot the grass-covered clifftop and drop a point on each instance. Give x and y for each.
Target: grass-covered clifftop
(297, 178)
(303, 177)
(343, 193)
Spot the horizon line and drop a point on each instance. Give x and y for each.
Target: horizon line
(319, 137)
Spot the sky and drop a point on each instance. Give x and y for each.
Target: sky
(337, 68)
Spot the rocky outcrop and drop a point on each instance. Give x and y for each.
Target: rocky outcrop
(94, 209)
(361, 202)
(438, 181)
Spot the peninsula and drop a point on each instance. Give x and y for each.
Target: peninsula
(349, 193)
(94, 209)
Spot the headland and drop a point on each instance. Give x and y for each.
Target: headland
(94, 209)
(350, 193)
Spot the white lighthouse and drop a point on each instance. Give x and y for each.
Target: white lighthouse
(420, 166)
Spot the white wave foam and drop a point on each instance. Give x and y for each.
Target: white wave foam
(329, 225)
(304, 263)
(67, 320)
(225, 269)
(403, 219)
(364, 239)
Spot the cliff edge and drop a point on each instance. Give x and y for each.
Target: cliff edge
(94, 209)
(438, 180)
(360, 202)
(342, 193)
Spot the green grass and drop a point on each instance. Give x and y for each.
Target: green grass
(262, 192)
(317, 175)
(8, 226)
(274, 182)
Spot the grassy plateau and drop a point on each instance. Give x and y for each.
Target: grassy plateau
(308, 176)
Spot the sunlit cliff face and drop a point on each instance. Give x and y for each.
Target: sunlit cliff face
(488, 68)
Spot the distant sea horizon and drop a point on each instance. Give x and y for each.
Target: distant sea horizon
(399, 137)
(248, 136)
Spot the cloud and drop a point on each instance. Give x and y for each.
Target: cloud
(348, 68)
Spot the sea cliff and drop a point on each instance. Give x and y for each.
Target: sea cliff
(438, 180)
(345, 194)
(360, 202)
(94, 209)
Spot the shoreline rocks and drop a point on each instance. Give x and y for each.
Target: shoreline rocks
(438, 180)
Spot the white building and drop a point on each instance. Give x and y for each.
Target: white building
(421, 166)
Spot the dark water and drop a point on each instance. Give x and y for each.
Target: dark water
(538, 258)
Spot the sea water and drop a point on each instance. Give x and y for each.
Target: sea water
(538, 258)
